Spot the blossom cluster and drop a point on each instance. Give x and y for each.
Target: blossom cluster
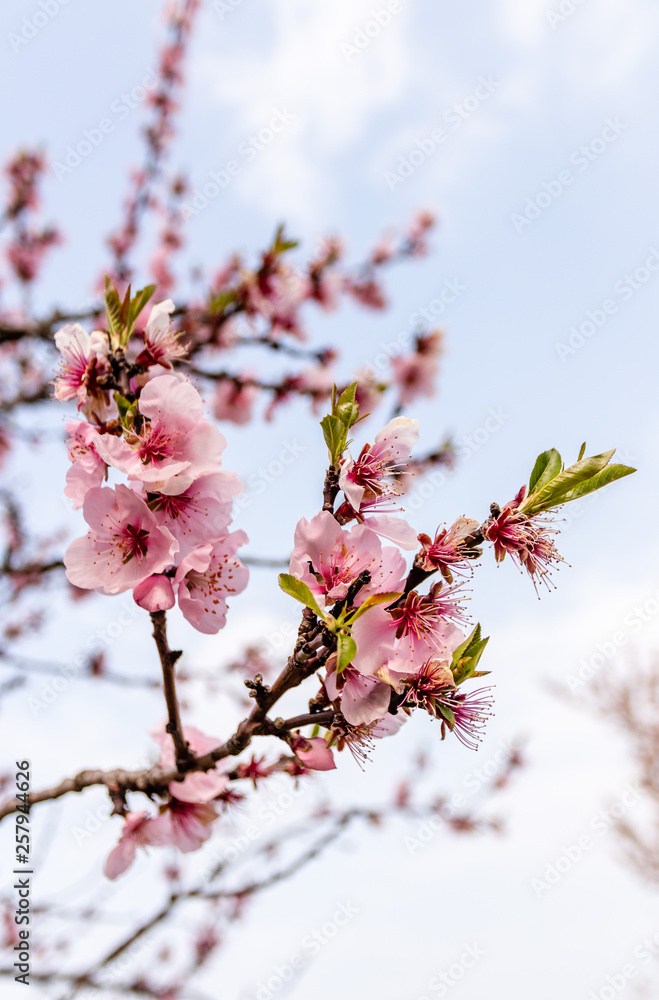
(164, 533)
(381, 643)
(402, 643)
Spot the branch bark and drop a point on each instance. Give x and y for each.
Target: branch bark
(168, 658)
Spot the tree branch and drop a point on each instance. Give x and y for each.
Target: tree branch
(168, 658)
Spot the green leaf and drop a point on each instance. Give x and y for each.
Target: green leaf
(371, 602)
(137, 304)
(547, 465)
(127, 410)
(345, 413)
(447, 714)
(113, 310)
(299, 590)
(335, 434)
(347, 409)
(609, 474)
(582, 452)
(221, 301)
(281, 244)
(466, 656)
(346, 650)
(551, 495)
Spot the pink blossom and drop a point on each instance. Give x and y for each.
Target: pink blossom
(200, 512)
(124, 547)
(325, 286)
(317, 382)
(185, 825)
(338, 556)
(314, 753)
(88, 468)
(415, 374)
(363, 699)
(447, 552)
(175, 446)
(234, 401)
(368, 292)
(84, 358)
(404, 637)
(359, 738)
(155, 594)
(205, 576)
(470, 711)
(199, 786)
(394, 529)
(161, 343)
(369, 391)
(527, 540)
(372, 475)
(139, 830)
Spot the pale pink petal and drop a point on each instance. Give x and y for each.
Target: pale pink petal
(120, 858)
(318, 757)
(364, 699)
(394, 529)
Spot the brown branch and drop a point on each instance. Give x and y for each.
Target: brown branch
(168, 658)
(305, 660)
(330, 488)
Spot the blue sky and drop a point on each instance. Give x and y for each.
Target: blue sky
(531, 129)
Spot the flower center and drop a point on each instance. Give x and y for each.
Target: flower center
(134, 542)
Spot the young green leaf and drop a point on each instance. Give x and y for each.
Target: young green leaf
(335, 434)
(547, 465)
(137, 304)
(447, 714)
(346, 650)
(127, 410)
(347, 409)
(609, 474)
(371, 602)
(466, 656)
(113, 310)
(299, 590)
(552, 494)
(281, 243)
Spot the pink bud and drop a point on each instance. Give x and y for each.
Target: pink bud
(317, 756)
(155, 593)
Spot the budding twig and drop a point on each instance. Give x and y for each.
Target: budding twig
(168, 660)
